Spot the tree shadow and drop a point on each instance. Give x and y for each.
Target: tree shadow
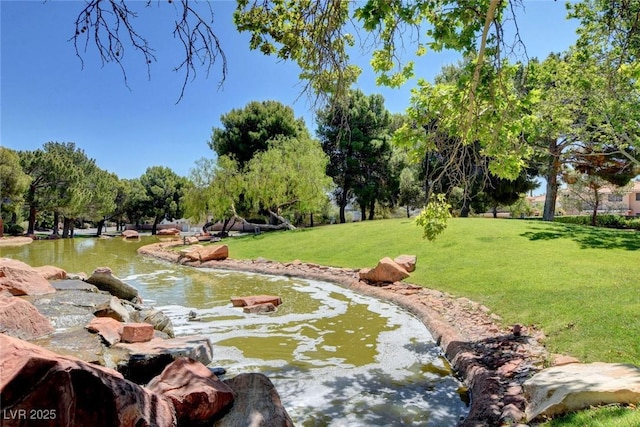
(587, 237)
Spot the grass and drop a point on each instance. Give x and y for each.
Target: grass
(608, 416)
(579, 284)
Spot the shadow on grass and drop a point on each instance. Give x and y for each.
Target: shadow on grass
(588, 237)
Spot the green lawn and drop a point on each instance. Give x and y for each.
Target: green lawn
(580, 285)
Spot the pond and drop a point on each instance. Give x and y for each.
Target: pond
(337, 358)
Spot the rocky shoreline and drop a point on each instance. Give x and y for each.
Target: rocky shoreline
(492, 361)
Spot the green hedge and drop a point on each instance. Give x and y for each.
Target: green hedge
(606, 220)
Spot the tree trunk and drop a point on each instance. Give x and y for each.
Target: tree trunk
(67, 228)
(408, 212)
(311, 219)
(100, 225)
(343, 204)
(553, 170)
(363, 212)
(464, 211)
(154, 228)
(495, 212)
(32, 219)
(372, 210)
(596, 203)
(56, 220)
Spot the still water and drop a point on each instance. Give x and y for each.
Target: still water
(337, 358)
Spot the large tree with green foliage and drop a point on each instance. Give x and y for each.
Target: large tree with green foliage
(13, 184)
(247, 131)
(164, 191)
(355, 138)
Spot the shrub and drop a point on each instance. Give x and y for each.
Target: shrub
(13, 229)
(606, 221)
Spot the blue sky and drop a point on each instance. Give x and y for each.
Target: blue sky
(46, 94)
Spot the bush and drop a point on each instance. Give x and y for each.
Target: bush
(13, 229)
(606, 221)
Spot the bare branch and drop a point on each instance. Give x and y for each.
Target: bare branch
(109, 25)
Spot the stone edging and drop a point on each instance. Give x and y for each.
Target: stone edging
(493, 362)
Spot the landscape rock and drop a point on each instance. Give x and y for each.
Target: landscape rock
(113, 309)
(197, 394)
(71, 392)
(561, 360)
(104, 280)
(130, 234)
(18, 278)
(21, 319)
(260, 308)
(160, 321)
(69, 284)
(567, 388)
(148, 359)
(256, 299)
(408, 262)
(208, 253)
(108, 328)
(68, 309)
(256, 403)
(136, 332)
(387, 271)
(191, 240)
(168, 232)
(50, 272)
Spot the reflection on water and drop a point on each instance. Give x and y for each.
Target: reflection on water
(336, 358)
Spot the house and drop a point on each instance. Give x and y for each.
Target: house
(623, 202)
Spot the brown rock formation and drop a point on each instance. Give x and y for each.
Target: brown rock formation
(50, 272)
(136, 332)
(387, 271)
(37, 384)
(21, 319)
(197, 394)
(255, 300)
(257, 403)
(109, 329)
(18, 278)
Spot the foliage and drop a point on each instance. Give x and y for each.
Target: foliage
(291, 173)
(604, 220)
(354, 137)
(433, 218)
(247, 131)
(411, 193)
(13, 229)
(164, 191)
(13, 181)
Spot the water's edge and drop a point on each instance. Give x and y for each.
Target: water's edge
(463, 329)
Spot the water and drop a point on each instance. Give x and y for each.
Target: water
(336, 358)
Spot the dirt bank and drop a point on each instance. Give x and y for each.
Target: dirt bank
(492, 361)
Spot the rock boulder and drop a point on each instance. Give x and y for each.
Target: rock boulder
(50, 272)
(208, 253)
(387, 271)
(408, 262)
(567, 388)
(104, 280)
(73, 393)
(109, 329)
(21, 319)
(197, 394)
(257, 403)
(18, 278)
(255, 300)
(130, 234)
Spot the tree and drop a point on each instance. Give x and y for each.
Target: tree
(164, 191)
(13, 184)
(102, 205)
(357, 145)
(289, 175)
(248, 131)
(411, 194)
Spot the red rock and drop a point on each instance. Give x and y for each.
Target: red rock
(208, 253)
(130, 234)
(408, 262)
(197, 395)
(20, 319)
(109, 329)
(387, 271)
(260, 308)
(256, 299)
(562, 360)
(168, 232)
(73, 393)
(50, 272)
(256, 403)
(137, 332)
(21, 279)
